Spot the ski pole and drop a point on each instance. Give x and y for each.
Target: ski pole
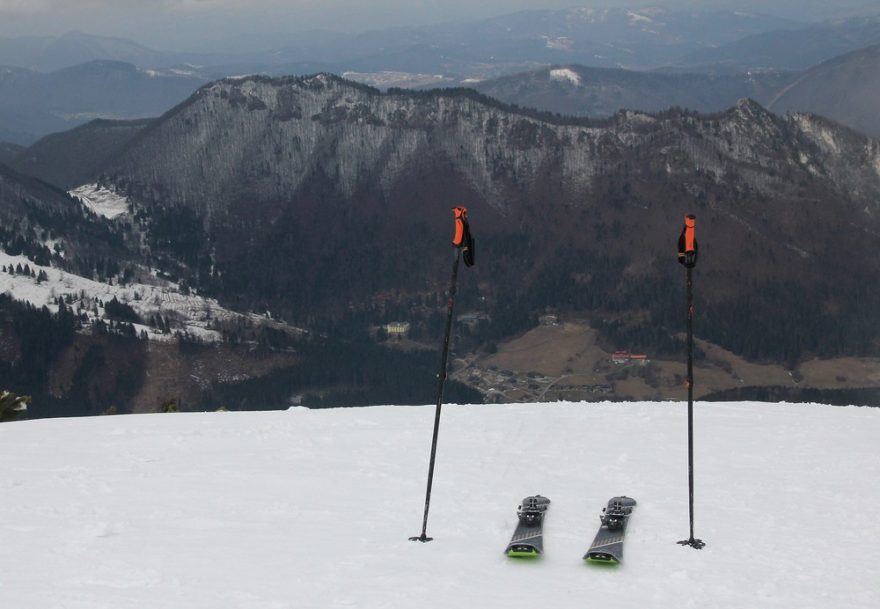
(463, 242)
(687, 255)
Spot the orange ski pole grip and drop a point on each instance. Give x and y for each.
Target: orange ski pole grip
(687, 242)
(690, 239)
(460, 219)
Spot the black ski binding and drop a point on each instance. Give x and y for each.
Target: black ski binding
(531, 512)
(614, 515)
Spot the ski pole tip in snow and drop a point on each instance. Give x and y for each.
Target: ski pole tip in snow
(697, 544)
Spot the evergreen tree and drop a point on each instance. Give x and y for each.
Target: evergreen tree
(12, 406)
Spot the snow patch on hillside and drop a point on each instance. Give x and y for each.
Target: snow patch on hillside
(821, 134)
(566, 74)
(634, 117)
(102, 200)
(587, 14)
(312, 509)
(638, 18)
(390, 78)
(558, 43)
(873, 153)
(188, 312)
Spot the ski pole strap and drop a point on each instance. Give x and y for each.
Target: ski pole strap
(463, 238)
(687, 242)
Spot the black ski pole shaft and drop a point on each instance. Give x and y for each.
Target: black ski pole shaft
(441, 380)
(464, 248)
(690, 377)
(688, 256)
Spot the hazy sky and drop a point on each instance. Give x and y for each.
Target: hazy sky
(186, 23)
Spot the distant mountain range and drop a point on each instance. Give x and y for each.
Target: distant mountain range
(600, 92)
(708, 59)
(34, 104)
(845, 89)
(51, 53)
(600, 37)
(632, 38)
(791, 48)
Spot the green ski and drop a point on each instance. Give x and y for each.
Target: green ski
(528, 538)
(607, 547)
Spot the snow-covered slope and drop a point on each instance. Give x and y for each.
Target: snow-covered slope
(192, 312)
(303, 509)
(189, 313)
(102, 200)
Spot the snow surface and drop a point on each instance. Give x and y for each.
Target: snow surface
(312, 509)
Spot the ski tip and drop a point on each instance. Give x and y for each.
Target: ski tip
(522, 551)
(514, 554)
(600, 558)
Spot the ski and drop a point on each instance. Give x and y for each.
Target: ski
(528, 538)
(607, 547)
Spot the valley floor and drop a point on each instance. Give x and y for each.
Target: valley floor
(561, 362)
(301, 509)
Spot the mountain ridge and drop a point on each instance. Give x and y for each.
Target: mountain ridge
(271, 156)
(344, 104)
